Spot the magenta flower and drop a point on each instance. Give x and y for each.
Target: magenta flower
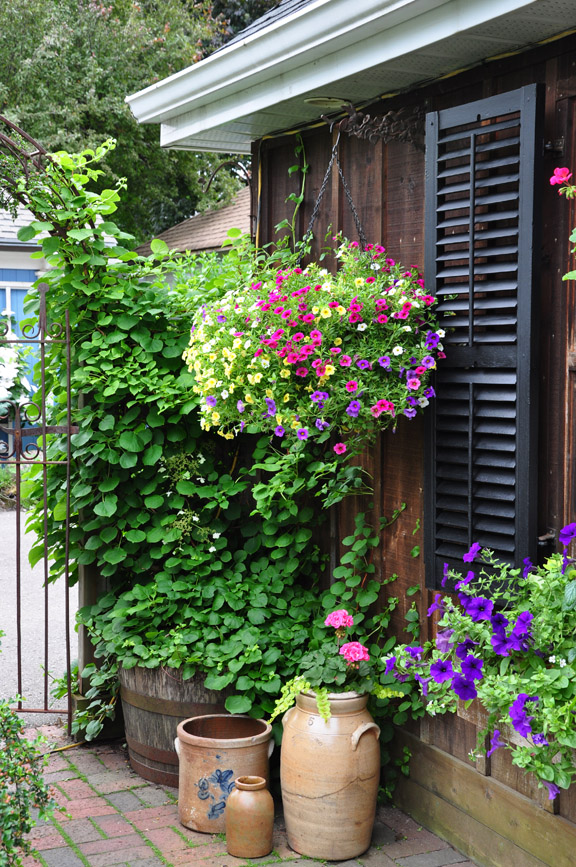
(340, 448)
(561, 176)
(345, 361)
(351, 385)
(339, 619)
(354, 652)
(302, 433)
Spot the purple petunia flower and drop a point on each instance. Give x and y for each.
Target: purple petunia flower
(428, 361)
(211, 400)
(429, 392)
(415, 652)
(500, 643)
(302, 433)
(479, 608)
(437, 605)
(271, 407)
(384, 361)
(539, 740)
(444, 574)
(321, 424)
(472, 668)
(523, 622)
(432, 340)
(495, 743)
(423, 681)
(464, 581)
(463, 688)
(443, 642)
(363, 364)
(410, 412)
(519, 715)
(441, 670)
(221, 318)
(279, 430)
(528, 566)
(567, 534)
(465, 647)
(553, 790)
(499, 622)
(390, 663)
(240, 406)
(475, 549)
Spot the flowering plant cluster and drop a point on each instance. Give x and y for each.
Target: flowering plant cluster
(301, 353)
(510, 643)
(336, 666)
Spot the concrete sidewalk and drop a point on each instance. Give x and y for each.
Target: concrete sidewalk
(111, 816)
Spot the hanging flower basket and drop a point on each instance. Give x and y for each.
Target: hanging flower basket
(302, 353)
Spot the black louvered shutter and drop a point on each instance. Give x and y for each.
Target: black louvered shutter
(482, 168)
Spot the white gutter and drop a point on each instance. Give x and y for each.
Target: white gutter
(325, 41)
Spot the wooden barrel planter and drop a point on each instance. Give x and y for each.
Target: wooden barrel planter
(154, 701)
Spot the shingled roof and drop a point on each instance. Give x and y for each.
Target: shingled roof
(281, 10)
(207, 231)
(9, 228)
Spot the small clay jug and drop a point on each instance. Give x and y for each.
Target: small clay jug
(249, 817)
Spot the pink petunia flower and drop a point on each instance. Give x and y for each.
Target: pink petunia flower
(345, 361)
(351, 385)
(340, 448)
(413, 382)
(302, 371)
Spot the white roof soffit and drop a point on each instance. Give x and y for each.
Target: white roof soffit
(355, 50)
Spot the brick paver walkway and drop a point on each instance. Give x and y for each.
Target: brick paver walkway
(111, 816)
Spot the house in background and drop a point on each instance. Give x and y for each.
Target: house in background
(452, 116)
(18, 270)
(207, 232)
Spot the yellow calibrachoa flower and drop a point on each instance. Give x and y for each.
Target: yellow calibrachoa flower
(325, 313)
(315, 310)
(248, 398)
(210, 384)
(286, 398)
(213, 356)
(279, 417)
(338, 340)
(285, 373)
(329, 369)
(359, 281)
(215, 417)
(237, 343)
(269, 392)
(341, 310)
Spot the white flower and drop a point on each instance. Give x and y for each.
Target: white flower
(224, 394)
(362, 326)
(406, 328)
(247, 344)
(201, 479)
(374, 266)
(216, 535)
(195, 518)
(398, 350)
(441, 332)
(552, 659)
(423, 401)
(211, 549)
(561, 663)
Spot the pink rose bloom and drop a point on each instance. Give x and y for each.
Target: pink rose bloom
(561, 176)
(353, 651)
(339, 618)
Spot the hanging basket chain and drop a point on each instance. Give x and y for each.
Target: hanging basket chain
(322, 190)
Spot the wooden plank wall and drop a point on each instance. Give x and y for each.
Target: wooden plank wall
(387, 185)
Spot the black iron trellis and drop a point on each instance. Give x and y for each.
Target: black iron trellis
(30, 420)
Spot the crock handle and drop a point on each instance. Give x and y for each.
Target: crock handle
(177, 746)
(365, 727)
(270, 747)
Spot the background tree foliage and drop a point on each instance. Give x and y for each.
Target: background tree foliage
(66, 67)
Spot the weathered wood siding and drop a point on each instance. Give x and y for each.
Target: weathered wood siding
(387, 185)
